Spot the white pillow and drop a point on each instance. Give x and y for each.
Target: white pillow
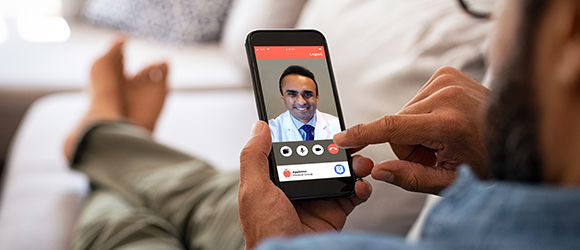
(247, 15)
(171, 21)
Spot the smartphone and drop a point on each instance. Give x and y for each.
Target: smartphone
(296, 94)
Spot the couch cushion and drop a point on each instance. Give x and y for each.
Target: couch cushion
(246, 15)
(172, 21)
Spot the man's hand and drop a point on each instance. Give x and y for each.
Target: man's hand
(439, 129)
(264, 209)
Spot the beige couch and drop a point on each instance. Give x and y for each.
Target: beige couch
(382, 52)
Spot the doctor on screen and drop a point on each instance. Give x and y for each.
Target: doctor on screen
(302, 121)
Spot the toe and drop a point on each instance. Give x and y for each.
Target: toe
(142, 77)
(156, 73)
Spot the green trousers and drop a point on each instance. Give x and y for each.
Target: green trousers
(148, 196)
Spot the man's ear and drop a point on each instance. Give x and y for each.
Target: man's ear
(569, 68)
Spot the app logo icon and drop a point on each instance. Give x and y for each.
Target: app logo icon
(302, 150)
(317, 149)
(286, 173)
(339, 169)
(286, 151)
(333, 149)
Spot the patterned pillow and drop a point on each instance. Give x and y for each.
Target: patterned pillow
(170, 21)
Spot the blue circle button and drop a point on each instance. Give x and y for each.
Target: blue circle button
(339, 169)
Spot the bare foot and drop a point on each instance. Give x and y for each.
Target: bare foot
(145, 95)
(107, 103)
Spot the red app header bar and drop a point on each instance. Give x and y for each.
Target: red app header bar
(295, 52)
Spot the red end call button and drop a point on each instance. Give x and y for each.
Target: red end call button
(333, 149)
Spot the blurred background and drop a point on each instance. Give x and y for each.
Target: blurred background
(382, 52)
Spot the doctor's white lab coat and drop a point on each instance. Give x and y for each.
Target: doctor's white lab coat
(283, 128)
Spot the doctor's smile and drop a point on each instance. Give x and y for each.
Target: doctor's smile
(300, 95)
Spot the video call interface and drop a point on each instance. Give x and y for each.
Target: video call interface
(301, 112)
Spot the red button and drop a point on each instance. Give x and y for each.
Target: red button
(333, 149)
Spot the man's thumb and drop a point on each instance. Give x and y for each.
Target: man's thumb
(254, 156)
(413, 176)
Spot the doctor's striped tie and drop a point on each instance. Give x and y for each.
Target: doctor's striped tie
(309, 132)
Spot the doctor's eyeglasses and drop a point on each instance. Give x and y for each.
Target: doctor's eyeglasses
(485, 9)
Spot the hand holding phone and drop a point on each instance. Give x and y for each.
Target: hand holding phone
(296, 94)
(263, 208)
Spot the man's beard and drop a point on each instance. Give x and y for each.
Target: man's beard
(512, 126)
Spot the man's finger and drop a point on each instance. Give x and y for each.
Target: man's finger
(321, 215)
(400, 129)
(254, 156)
(362, 166)
(446, 77)
(414, 176)
(363, 191)
(416, 153)
(354, 150)
(441, 78)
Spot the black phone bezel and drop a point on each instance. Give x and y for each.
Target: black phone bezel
(298, 190)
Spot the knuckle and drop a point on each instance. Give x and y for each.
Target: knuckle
(245, 154)
(414, 182)
(248, 156)
(247, 188)
(406, 110)
(446, 70)
(454, 91)
(444, 80)
(386, 123)
(411, 109)
(411, 183)
(243, 192)
(452, 94)
(356, 131)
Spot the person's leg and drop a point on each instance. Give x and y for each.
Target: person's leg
(198, 200)
(109, 222)
(123, 160)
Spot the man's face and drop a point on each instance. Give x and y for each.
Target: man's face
(300, 96)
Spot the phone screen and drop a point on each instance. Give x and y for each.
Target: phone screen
(302, 113)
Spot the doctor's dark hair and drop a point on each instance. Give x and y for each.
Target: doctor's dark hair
(297, 70)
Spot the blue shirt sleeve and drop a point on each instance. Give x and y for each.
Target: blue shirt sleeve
(337, 241)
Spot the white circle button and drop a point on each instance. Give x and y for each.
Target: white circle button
(302, 150)
(317, 149)
(286, 151)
